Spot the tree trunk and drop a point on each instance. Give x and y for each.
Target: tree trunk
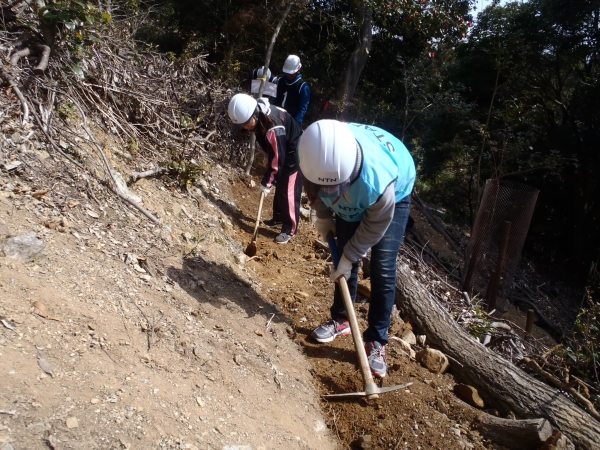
(515, 434)
(263, 81)
(359, 56)
(502, 384)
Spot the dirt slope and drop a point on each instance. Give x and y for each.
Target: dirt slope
(216, 376)
(230, 363)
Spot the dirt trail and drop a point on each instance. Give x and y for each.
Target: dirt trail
(230, 363)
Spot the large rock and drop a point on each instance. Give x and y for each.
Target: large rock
(23, 248)
(433, 360)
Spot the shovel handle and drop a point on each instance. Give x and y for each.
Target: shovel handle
(371, 388)
(260, 205)
(335, 252)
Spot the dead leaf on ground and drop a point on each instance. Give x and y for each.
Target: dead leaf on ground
(93, 214)
(45, 365)
(73, 204)
(41, 310)
(39, 194)
(259, 332)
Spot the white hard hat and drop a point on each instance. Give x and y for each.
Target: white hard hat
(241, 108)
(329, 158)
(292, 64)
(261, 71)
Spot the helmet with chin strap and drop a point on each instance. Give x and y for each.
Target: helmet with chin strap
(329, 158)
(241, 108)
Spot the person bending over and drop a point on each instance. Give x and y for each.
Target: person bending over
(359, 179)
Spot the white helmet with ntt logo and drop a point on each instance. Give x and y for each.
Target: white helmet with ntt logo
(329, 158)
(292, 64)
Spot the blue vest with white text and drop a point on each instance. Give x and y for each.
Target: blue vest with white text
(385, 159)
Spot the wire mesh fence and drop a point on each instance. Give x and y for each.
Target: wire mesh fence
(497, 239)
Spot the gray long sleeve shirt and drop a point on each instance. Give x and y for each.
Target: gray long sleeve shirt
(372, 227)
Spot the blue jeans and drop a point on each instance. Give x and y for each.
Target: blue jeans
(383, 273)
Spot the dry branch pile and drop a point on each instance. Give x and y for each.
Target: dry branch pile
(116, 98)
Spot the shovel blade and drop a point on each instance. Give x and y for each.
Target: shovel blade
(251, 249)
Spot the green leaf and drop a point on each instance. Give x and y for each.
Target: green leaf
(106, 17)
(93, 38)
(77, 71)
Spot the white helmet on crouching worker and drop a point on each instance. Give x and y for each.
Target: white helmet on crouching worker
(330, 158)
(241, 109)
(292, 64)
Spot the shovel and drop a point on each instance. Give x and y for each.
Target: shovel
(251, 249)
(371, 390)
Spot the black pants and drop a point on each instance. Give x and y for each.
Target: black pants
(286, 203)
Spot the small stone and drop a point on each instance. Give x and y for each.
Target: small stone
(405, 346)
(469, 394)
(23, 248)
(433, 360)
(259, 332)
(409, 337)
(72, 422)
(12, 166)
(441, 406)
(301, 294)
(421, 340)
(252, 184)
(200, 402)
(365, 442)
(4, 230)
(94, 401)
(176, 209)
(364, 288)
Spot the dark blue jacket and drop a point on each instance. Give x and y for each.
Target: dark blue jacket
(293, 96)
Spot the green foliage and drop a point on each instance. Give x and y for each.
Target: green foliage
(79, 23)
(133, 148)
(185, 172)
(66, 110)
(580, 355)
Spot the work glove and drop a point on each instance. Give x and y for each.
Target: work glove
(344, 268)
(325, 226)
(264, 189)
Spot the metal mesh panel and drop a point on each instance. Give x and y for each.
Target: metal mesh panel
(503, 201)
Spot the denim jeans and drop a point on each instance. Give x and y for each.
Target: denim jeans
(383, 273)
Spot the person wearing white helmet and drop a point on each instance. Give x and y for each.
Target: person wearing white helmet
(293, 93)
(359, 179)
(277, 133)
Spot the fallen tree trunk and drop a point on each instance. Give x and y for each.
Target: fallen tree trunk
(515, 434)
(502, 384)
